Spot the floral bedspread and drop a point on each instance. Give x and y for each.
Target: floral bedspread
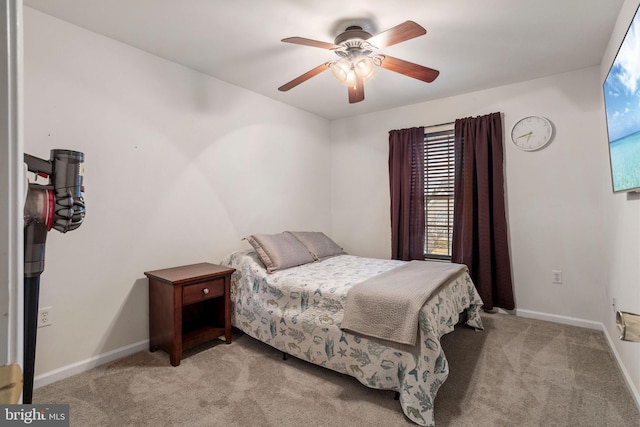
(299, 311)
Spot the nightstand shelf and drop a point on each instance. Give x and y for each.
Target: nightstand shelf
(188, 306)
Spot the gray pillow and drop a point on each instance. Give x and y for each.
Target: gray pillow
(279, 251)
(318, 244)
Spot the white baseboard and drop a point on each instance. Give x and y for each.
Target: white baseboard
(590, 325)
(627, 378)
(85, 365)
(565, 320)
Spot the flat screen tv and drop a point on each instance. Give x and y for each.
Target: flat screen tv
(622, 105)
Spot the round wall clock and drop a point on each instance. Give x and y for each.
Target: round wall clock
(531, 133)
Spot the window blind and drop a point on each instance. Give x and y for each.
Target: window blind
(438, 191)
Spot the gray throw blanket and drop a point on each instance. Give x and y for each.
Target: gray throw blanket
(388, 306)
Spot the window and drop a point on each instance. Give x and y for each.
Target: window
(438, 193)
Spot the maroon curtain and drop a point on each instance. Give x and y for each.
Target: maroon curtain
(479, 221)
(406, 182)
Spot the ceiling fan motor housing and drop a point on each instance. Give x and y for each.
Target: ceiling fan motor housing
(353, 32)
(354, 43)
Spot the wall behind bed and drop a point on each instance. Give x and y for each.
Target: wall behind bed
(179, 167)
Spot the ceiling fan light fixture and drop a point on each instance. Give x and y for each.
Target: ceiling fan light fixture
(345, 70)
(364, 67)
(342, 70)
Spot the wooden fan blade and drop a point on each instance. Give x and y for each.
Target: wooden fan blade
(408, 68)
(312, 43)
(304, 77)
(356, 92)
(405, 31)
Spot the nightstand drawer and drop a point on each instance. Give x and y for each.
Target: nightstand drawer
(202, 291)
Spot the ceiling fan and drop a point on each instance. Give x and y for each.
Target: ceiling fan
(358, 63)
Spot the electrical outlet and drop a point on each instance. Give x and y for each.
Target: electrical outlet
(613, 305)
(556, 276)
(44, 316)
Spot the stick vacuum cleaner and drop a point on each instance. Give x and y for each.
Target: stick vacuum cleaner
(59, 205)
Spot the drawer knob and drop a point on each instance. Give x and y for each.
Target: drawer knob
(205, 291)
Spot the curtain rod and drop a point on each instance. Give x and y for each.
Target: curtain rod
(441, 124)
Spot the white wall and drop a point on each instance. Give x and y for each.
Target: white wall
(622, 246)
(553, 194)
(562, 214)
(179, 167)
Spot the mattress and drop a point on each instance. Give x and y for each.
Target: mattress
(299, 311)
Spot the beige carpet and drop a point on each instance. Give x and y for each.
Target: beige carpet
(518, 372)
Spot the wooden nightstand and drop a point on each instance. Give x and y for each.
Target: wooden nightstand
(188, 306)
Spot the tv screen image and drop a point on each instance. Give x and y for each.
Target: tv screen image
(622, 105)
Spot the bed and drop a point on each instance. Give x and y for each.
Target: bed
(299, 310)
